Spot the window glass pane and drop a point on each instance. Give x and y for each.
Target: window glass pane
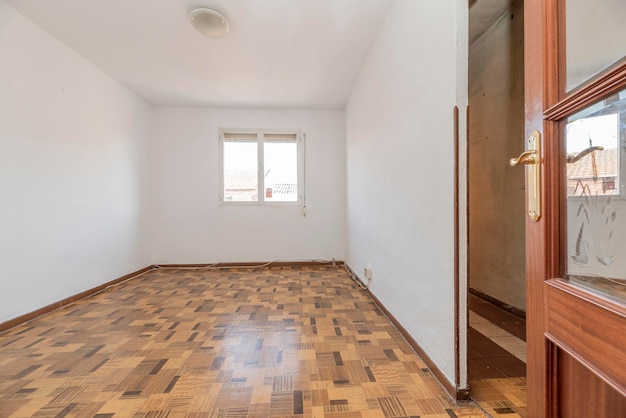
(595, 141)
(595, 34)
(240, 171)
(592, 155)
(281, 171)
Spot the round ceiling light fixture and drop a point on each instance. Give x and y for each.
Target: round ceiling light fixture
(209, 22)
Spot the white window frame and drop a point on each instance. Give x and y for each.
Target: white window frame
(260, 139)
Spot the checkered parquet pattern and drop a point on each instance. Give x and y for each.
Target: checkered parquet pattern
(501, 397)
(264, 342)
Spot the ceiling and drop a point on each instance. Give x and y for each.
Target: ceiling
(279, 53)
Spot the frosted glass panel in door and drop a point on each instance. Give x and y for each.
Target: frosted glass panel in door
(595, 140)
(595, 37)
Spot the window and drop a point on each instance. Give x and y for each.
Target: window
(261, 166)
(593, 155)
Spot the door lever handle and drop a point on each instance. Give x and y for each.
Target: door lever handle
(532, 158)
(526, 157)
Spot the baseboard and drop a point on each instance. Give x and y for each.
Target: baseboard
(449, 387)
(259, 263)
(504, 306)
(71, 299)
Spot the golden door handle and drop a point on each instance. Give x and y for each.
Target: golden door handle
(532, 158)
(526, 157)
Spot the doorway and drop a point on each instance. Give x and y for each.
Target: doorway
(497, 287)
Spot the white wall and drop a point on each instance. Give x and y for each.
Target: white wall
(72, 172)
(400, 162)
(192, 227)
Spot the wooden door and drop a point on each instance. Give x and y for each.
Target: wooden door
(575, 310)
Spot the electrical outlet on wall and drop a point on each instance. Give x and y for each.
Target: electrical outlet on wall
(368, 273)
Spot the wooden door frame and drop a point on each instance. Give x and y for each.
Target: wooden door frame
(537, 256)
(544, 89)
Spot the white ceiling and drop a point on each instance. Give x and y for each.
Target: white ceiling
(279, 53)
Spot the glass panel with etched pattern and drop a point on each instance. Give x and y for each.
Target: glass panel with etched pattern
(595, 140)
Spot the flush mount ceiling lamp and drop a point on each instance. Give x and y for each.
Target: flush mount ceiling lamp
(209, 22)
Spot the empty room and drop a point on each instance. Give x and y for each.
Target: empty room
(252, 208)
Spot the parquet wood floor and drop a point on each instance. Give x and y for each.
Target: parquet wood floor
(267, 342)
(501, 397)
(497, 377)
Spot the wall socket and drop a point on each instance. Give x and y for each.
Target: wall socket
(368, 273)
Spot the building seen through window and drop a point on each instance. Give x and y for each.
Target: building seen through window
(261, 167)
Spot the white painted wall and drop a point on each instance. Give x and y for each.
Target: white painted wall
(73, 210)
(400, 169)
(192, 227)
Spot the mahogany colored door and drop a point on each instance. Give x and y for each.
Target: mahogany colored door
(575, 97)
